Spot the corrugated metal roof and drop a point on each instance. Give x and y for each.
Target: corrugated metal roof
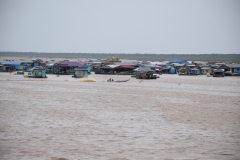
(144, 69)
(158, 63)
(218, 70)
(233, 65)
(179, 65)
(205, 68)
(67, 63)
(215, 65)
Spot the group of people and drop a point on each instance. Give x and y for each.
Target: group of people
(109, 80)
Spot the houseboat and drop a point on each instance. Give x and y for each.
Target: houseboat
(66, 67)
(36, 72)
(81, 72)
(234, 69)
(218, 73)
(144, 73)
(188, 71)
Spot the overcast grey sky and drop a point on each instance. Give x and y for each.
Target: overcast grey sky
(120, 26)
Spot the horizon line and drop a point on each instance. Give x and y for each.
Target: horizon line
(118, 53)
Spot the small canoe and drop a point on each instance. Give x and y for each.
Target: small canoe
(118, 81)
(19, 73)
(121, 80)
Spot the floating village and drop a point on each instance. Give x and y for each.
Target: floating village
(37, 68)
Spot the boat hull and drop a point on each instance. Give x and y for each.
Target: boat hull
(119, 81)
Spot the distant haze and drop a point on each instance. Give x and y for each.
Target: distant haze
(141, 57)
(120, 26)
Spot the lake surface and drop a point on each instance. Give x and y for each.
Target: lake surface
(172, 117)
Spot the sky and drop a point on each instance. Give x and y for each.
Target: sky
(120, 26)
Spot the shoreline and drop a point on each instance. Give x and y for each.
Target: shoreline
(2, 58)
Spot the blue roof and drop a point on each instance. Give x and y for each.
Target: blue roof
(11, 62)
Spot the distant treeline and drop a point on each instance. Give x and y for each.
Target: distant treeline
(135, 56)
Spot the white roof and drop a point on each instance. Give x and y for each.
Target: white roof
(158, 63)
(113, 66)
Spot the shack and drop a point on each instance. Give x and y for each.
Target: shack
(183, 71)
(234, 68)
(193, 71)
(165, 70)
(157, 69)
(218, 73)
(117, 68)
(124, 70)
(172, 70)
(66, 67)
(36, 72)
(11, 64)
(81, 72)
(188, 71)
(205, 69)
(177, 66)
(145, 73)
(107, 69)
(5, 68)
(23, 66)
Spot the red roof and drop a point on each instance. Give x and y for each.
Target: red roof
(129, 67)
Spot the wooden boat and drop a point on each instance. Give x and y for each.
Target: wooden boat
(228, 73)
(236, 74)
(36, 72)
(180, 74)
(118, 81)
(19, 73)
(121, 80)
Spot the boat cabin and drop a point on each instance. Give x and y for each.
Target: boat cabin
(81, 72)
(145, 73)
(37, 72)
(218, 73)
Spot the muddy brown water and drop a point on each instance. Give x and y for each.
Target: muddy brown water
(173, 117)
